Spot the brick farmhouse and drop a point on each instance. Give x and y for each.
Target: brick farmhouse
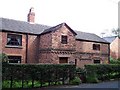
(27, 42)
(114, 46)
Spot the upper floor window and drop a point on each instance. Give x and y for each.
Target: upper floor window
(64, 39)
(14, 59)
(96, 46)
(13, 39)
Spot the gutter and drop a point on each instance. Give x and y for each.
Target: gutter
(92, 41)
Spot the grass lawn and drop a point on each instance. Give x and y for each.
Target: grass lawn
(27, 84)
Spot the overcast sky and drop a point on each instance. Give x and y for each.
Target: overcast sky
(94, 16)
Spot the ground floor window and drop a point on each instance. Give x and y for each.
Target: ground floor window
(14, 59)
(96, 61)
(63, 60)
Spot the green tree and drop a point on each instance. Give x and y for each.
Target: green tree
(116, 32)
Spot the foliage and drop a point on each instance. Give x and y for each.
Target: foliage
(92, 79)
(80, 70)
(3, 58)
(81, 73)
(18, 84)
(118, 59)
(46, 73)
(103, 71)
(116, 32)
(114, 61)
(75, 81)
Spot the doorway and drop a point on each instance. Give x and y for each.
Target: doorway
(63, 60)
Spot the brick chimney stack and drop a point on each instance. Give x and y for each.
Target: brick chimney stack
(31, 15)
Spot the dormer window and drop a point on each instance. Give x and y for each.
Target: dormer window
(64, 39)
(15, 40)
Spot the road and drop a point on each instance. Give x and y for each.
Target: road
(111, 85)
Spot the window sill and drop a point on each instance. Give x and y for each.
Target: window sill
(63, 43)
(96, 50)
(10, 46)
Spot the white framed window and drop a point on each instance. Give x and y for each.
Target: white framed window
(14, 40)
(14, 59)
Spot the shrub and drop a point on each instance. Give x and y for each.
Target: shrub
(104, 71)
(114, 61)
(3, 58)
(75, 81)
(81, 73)
(46, 73)
(118, 59)
(92, 78)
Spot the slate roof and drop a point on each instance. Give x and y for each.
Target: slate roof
(20, 26)
(25, 27)
(110, 39)
(89, 37)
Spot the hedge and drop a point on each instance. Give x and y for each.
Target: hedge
(37, 72)
(103, 71)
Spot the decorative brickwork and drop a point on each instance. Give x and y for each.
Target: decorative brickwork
(51, 49)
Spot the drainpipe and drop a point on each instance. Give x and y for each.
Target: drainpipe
(76, 62)
(26, 59)
(108, 53)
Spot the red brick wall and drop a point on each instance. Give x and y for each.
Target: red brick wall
(56, 39)
(115, 48)
(45, 57)
(45, 41)
(57, 55)
(53, 41)
(0, 42)
(53, 57)
(14, 51)
(81, 63)
(85, 53)
(48, 48)
(84, 46)
(33, 48)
